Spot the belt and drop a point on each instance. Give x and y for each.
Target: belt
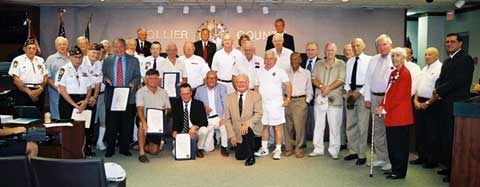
(32, 85)
(358, 86)
(78, 95)
(378, 94)
(423, 99)
(101, 93)
(296, 97)
(214, 116)
(221, 80)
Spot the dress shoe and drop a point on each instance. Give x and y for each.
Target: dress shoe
(446, 179)
(351, 157)
(200, 153)
(418, 161)
(109, 154)
(343, 147)
(387, 173)
(429, 165)
(250, 161)
(224, 152)
(393, 177)
(143, 159)
(361, 161)
(444, 172)
(89, 152)
(126, 153)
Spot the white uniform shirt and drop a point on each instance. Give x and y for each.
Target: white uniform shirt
(95, 71)
(29, 71)
(414, 70)
(223, 63)
(301, 83)
(283, 59)
(362, 67)
(427, 78)
(197, 69)
(378, 73)
(168, 66)
(75, 81)
(269, 83)
(249, 67)
(147, 63)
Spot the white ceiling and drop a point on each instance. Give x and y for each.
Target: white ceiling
(436, 5)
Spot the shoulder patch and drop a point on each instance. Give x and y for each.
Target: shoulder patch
(60, 74)
(15, 64)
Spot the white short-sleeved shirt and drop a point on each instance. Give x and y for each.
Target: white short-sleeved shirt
(427, 78)
(29, 71)
(147, 63)
(95, 71)
(269, 83)
(249, 67)
(197, 69)
(75, 81)
(147, 99)
(283, 59)
(223, 63)
(168, 66)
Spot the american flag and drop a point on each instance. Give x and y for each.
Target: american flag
(31, 35)
(61, 28)
(87, 30)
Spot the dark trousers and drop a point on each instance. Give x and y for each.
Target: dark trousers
(119, 123)
(22, 99)
(91, 133)
(427, 133)
(65, 109)
(397, 142)
(245, 149)
(446, 131)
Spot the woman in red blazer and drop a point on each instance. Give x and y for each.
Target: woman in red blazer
(397, 108)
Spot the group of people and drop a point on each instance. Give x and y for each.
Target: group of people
(244, 96)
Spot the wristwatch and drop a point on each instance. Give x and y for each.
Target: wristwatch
(427, 102)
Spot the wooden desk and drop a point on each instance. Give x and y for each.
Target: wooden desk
(65, 142)
(466, 145)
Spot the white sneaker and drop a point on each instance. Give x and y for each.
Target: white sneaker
(334, 156)
(378, 163)
(315, 154)
(101, 146)
(277, 154)
(262, 152)
(161, 145)
(387, 167)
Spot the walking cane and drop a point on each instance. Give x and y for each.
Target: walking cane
(371, 145)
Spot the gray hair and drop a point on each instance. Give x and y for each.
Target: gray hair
(385, 38)
(399, 51)
(60, 39)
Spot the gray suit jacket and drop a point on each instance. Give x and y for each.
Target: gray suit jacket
(220, 98)
(251, 114)
(132, 76)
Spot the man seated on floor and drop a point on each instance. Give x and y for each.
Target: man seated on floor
(150, 96)
(16, 147)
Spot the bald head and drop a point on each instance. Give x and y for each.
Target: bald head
(172, 50)
(431, 55)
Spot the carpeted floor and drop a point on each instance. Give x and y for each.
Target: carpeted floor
(215, 171)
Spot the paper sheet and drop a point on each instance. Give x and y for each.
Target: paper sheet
(170, 83)
(120, 99)
(182, 146)
(84, 116)
(155, 120)
(58, 125)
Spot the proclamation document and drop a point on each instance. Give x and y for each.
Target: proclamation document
(170, 82)
(182, 147)
(120, 99)
(86, 115)
(155, 120)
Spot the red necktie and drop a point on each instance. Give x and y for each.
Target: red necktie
(205, 54)
(119, 72)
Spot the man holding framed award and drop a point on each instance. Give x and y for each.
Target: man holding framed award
(152, 106)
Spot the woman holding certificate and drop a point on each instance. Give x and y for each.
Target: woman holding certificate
(152, 106)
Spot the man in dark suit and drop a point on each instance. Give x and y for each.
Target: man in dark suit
(308, 62)
(189, 116)
(120, 70)
(288, 41)
(452, 85)
(204, 48)
(143, 46)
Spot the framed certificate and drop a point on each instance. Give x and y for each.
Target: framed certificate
(155, 120)
(170, 82)
(120, 98)
(183, 147)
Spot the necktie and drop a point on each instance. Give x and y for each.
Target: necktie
(240, 104)
(309, 65)
(353, 81)
(141, 45)
(205, 54)
(119, 72)
(185, 120)
(155, 63)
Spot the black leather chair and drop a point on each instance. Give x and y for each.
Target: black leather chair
(16, 171)
(68, 172)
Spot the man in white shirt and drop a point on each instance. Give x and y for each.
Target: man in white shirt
(154, 61)
(282, 53)
(250, 64)
(196, 67)
(224, 60)
(374, 89)
(413, 68)
(357, 114)
(269, 84)
(426, 122)
(296, 112)
(172, 64)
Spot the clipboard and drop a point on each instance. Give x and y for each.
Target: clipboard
(156, 121)
(120, 98)
(170, 81)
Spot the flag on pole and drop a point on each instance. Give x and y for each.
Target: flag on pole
(61, 28)
(87, 30)
(31, 35)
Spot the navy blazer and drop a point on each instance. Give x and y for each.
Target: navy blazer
(146, 48)
(288, 42)
(220, 98)
(211, 49)
(454, 81)
(132, 76)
